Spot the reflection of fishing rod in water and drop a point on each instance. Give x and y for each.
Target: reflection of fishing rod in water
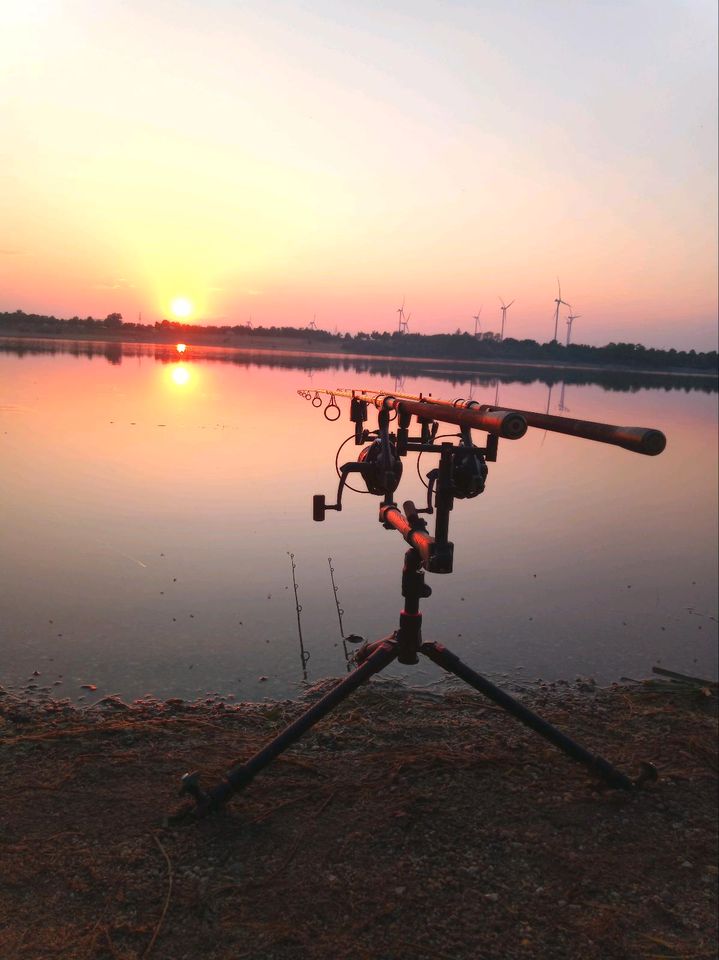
(304, 654)
(340, 612)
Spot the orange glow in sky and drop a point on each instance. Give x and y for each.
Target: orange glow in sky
(282, 163)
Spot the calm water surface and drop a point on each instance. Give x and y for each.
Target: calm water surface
(149, 505)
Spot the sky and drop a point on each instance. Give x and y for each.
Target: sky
(281, 161)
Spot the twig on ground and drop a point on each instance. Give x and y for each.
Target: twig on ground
(151, 944)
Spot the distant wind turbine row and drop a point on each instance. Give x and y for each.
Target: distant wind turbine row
(404, 318)
(559, 302)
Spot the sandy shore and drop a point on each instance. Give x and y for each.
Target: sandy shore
(404, 826)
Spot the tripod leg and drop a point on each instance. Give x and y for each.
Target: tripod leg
(382, 653)
(444, 658)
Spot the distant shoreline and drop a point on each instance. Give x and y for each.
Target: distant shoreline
(299, 346)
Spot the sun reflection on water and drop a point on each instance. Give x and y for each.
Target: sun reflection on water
(180, 375)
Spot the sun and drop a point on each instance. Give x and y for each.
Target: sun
(181, 307)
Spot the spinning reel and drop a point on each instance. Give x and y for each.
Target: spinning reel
(380, 462)
(461, 473)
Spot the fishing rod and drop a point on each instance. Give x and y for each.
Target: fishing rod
(460, 474)
(644, 440)
(503, 423)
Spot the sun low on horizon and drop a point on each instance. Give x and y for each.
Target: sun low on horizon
(181, 308)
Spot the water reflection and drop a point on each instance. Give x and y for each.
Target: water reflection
(561, 406)
(146, 526)
(180, 375)
(454, 373)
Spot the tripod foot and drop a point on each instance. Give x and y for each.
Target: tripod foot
(190, 785)
(375, 656)
(204, 802)
(449, 661)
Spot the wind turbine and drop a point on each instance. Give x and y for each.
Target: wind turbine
(570, 320)
(558, 300)
(402, 321)
(505, 307)
(476, 317)
(313, 323)
(400, 318)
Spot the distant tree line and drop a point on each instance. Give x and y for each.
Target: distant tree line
(244, 330)
(458, 345)
(37, 323)
(489, 347)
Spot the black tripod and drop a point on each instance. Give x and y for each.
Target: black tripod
(461, 473)
(403, 645)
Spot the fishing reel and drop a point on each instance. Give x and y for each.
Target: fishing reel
(378, 464)
(381, 466)
(466, 472)
(469, 473)
(469, 468)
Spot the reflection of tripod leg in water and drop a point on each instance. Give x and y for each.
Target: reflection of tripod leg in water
(403, 645)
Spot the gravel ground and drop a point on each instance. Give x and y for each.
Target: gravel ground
(404, 826)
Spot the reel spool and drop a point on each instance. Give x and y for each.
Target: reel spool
(469, 472)
(382, 467)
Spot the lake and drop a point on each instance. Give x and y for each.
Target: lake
(150, 501)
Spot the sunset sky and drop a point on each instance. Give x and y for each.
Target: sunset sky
(283, 159)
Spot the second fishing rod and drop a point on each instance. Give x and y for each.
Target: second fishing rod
(502, 420)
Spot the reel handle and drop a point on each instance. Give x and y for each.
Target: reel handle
(320, 507)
